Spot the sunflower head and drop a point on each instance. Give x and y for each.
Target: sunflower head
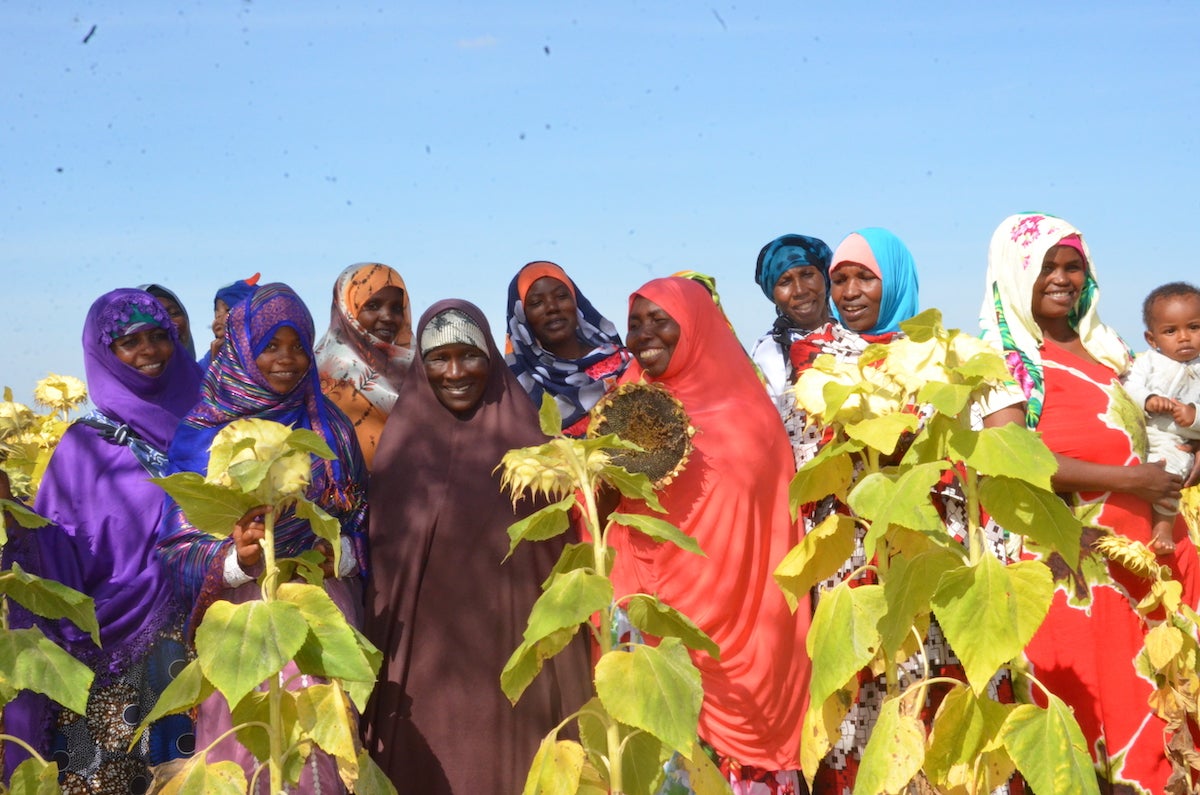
(652, 418)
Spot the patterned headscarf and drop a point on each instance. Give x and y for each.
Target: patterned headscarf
(160, 292)
(574, 389)
(234, 387)
(235, 292)
(787, 252)
(1015, 256)
(891, 260)
(349, 356)
(150, 405)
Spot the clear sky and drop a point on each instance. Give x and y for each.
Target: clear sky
(193, 143)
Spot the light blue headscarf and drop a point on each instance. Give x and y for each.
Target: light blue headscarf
(896, 269)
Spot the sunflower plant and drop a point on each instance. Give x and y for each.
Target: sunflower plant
(646, 704)
(900, 418)
(27, 437)
(254, 463)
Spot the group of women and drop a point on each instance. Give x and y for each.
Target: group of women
(419, 418)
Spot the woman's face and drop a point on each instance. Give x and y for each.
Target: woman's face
(220, 312)
(146, 351)
(284, 361)
(178, 317)
(550, 310)
(382, 314)
(1058, 285)
(653, 335)
(856, 293)
(458, 374)
(800, 295)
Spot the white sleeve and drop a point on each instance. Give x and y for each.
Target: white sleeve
(770, 360)
(349, 561)
(1139, 380)
(234, 576)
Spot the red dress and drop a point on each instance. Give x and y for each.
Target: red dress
(1085, 653)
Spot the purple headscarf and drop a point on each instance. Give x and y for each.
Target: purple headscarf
(151, 406)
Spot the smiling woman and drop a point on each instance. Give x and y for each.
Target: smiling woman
(367, 350)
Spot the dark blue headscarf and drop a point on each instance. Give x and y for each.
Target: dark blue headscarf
(787, 252)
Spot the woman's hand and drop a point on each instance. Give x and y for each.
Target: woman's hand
(325, 549)
(1154, 484)
(247, 532)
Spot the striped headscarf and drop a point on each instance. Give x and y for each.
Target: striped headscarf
(234, 388)
(1015, 256)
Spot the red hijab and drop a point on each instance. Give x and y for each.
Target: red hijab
(733, 499)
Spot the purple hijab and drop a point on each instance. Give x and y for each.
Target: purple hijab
(103, 509)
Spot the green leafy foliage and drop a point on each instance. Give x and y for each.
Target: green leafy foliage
(50, 599)
(31, 661)
(1049, 749)
(275, 630)
(657, 529)
(653, 688)
(903, 446)
(34, 777)
(653, 617)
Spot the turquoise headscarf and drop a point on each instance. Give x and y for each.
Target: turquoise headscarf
(896, 270)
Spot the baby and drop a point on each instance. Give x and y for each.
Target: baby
(1165, 381)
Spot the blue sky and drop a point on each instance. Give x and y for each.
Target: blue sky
(193, 143)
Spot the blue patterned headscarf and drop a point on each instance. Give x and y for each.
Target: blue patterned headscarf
(895, 267)
(790, 251)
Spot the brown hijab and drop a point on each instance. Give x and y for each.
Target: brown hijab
(441, 606)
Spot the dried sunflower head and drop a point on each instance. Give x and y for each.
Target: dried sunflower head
(653, 419)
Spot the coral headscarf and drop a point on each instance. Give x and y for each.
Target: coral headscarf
(885, 255)
(360, 372)
(1015, 257)
(733, 499)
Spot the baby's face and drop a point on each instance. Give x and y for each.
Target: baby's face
(1175, 327)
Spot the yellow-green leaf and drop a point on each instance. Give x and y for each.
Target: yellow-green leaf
(557, 767)
(818, 556)
(844, 635)
(1163, 643)
(924, 326)
(31, 661)
(371, 778)
(908, 588)
(274, 630)
(904, 500)
(211, 508)
(965, 732)
(1015, 452)
(526, 661)
(569, 601)
(323, 526)
(549, 417)
(894, 752)
(1049, 749)
(253, 711)
(826, 473)
(185, 691)
(323, 712)
(704, 777)
(989, 612)
(634, 485)
(948, 399)
(547, 523)
(50, 599)
(331, 648)
(1029, 511)
(653, 688)
(882, 433)
(34, 777)
(574, 556)
(822, 726)
(198, 778)
(655, 618)
(657, 529)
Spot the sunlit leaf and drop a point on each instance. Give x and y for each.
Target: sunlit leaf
(50, 599)
(185, 691)
(253, 714)
(902, 500)
(990, 611)
(549, 417)
(924, 326)
(657, 529)
(822, 725)
(570, 600)
(1040, 515)
(31, 661)
(965, 732)
(311, 442)
(323, 526)
(197, 777)
(704, 776)
(551, 521)
(655, 618)
(574, 556)
(826, 473)
(882, 433)
(908, 588)
(34, 777)
(1049, 749)
(818, 556)
(331, 648)
(526, 661)
(844, 636)
(894, 752)
(556, 769)
(324, 714)
(274, 630)
(654, 688)
(948, 399)
(634, 485)
(371, 778)
(211, 508)
(1014, 452)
